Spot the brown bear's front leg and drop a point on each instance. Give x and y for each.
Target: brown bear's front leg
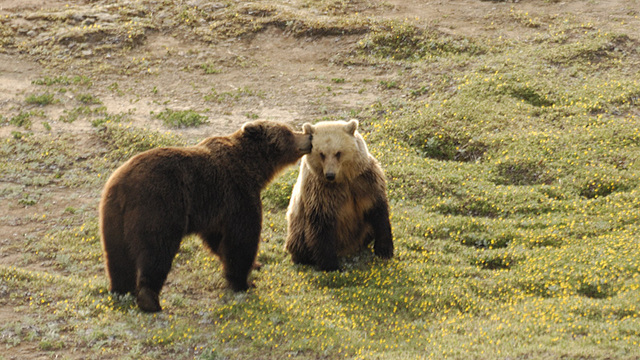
(378, 218)
(238, 251)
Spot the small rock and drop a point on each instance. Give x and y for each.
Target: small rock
(77, 17)
(105, 17)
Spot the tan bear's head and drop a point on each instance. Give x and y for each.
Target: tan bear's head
(338, 151)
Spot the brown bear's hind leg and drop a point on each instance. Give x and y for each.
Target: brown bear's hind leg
(120, 266)
(153, 267)
(121, 270)
(150, 283)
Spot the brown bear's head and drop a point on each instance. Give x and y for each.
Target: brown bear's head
(277, 140)
(338, 153)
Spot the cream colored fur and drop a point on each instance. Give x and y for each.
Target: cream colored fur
(337, 148)
(337, 137)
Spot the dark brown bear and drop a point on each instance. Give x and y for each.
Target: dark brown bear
(211, 189)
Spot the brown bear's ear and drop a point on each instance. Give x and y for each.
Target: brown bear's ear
(308, 128)
(351, 126)
(252, 129)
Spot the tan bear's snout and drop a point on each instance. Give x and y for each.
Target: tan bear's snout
(331, 168)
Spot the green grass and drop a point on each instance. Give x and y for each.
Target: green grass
(513, 180)
(89, 99)
(209, 68)
(405, 41)
(124, 140)
(41, 100)
(181, 118)
(83, 112)
(23, 119)
(64, 81)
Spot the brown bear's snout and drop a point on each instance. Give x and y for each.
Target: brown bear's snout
(304, 143)
(330, 176)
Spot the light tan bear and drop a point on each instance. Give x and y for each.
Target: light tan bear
(339, 203)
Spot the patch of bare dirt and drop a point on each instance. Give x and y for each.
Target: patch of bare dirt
(22, 5)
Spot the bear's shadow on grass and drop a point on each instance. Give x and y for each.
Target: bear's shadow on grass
(366, 275)
(367, 279)
(359, 263)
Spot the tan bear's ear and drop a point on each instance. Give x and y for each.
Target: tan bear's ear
(351, 126)
(308, 128)
(252, 129)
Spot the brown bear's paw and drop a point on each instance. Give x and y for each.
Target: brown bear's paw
(148, 300)
(383, 252)
(239, 287)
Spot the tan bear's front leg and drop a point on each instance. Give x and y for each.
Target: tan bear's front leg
(321, 237)
(378, 218)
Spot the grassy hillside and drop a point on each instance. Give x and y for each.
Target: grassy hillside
(513, 172)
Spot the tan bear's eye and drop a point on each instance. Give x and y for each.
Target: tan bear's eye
(338, 154)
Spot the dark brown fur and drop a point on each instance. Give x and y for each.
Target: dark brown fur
(212, 189)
